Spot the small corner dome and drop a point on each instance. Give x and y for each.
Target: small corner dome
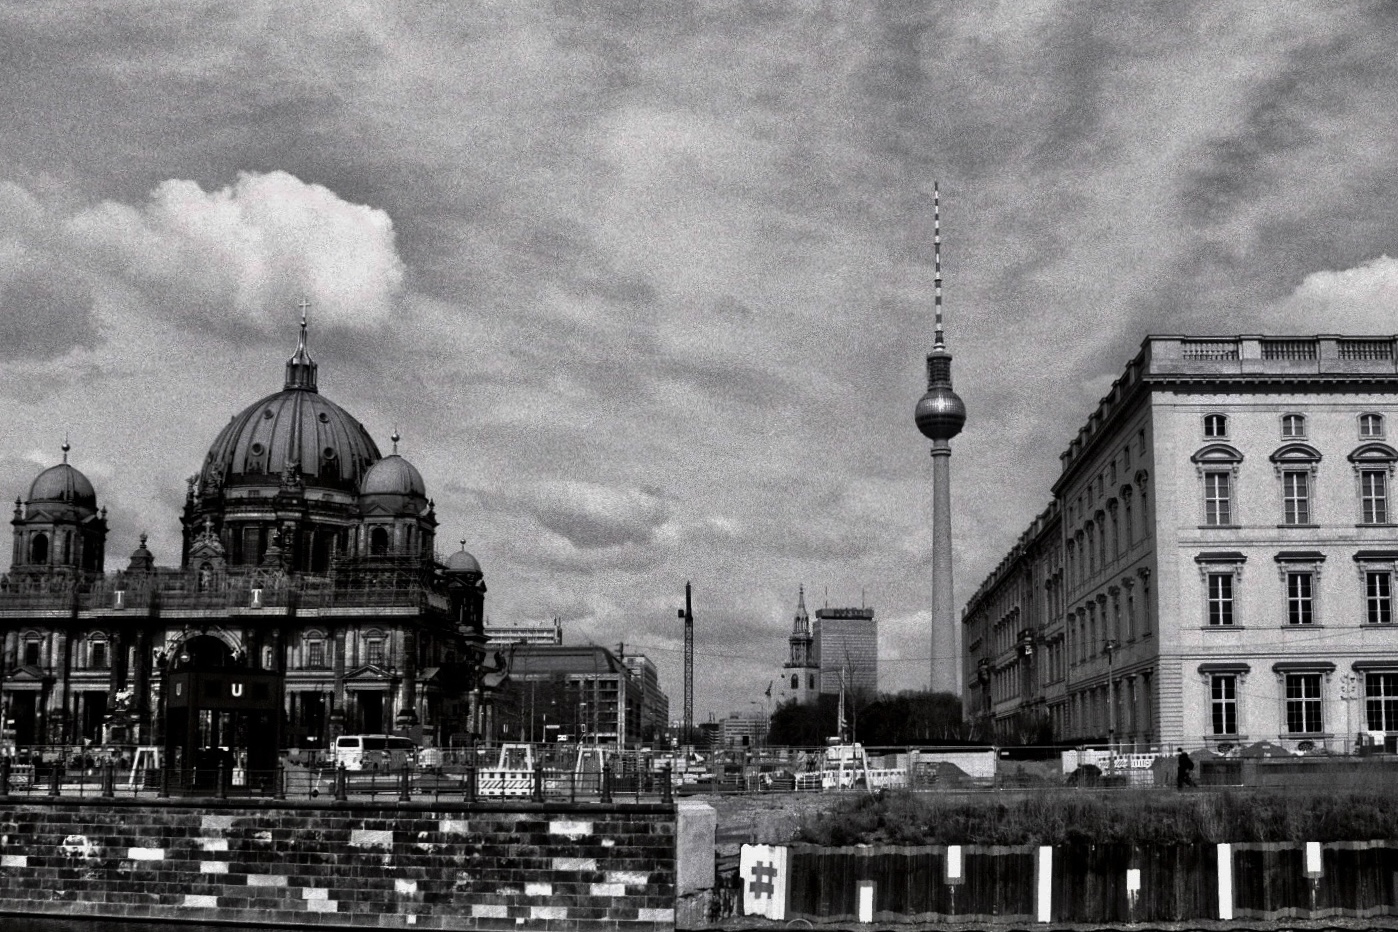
(393, 475)
(462, 562)
(63, 483)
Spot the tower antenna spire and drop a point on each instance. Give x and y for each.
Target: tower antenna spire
(937, 261)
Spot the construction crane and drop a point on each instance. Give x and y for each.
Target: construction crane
(687, 616)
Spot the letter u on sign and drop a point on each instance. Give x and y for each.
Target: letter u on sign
(237, 690)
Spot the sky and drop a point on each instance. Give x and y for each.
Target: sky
(646, 287)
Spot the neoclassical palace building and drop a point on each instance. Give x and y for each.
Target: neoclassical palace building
(1217, 564)
(308, 600)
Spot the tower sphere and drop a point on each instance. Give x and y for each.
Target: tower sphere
(940, 414)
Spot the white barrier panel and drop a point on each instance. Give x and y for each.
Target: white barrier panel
(1045, 911)
(1225, 881)
(1313, 868)
(504, 783)
(866, 901)
(762, 871)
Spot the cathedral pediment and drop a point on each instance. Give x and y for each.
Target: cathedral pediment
(368, 673)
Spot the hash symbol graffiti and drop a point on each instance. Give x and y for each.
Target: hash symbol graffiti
(763, 877)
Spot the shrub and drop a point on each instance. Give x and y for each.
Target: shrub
(1145, 817)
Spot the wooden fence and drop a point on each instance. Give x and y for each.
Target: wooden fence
(1088, 883)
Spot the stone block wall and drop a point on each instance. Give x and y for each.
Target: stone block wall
(412, 865)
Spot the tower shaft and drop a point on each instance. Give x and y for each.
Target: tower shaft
(946, 633)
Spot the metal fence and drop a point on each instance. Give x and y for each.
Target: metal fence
(292, 781)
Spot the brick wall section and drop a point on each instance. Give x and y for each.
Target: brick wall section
(422, 866)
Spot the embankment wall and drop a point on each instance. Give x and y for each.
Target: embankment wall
(423, 865)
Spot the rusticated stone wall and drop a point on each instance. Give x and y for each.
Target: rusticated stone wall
(413, 865)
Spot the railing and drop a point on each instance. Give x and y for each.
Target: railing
(291, 782)
(1367, 350)
(109, 593)
(1289, 349)
(1209, 349)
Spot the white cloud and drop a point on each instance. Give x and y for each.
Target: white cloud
(1360, 300)
(247, 252)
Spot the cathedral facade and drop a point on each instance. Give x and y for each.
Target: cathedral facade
(309, 600)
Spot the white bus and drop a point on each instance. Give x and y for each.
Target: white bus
(374, 752)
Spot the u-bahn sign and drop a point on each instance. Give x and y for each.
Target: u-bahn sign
(234, 690)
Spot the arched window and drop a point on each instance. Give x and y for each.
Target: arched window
(1215, 425)
(39, 549)
(97, 654)
(1293, 426)
(1370, 425)
(1373, 467)
(378, 541)
(795, 681)
(1218, 466)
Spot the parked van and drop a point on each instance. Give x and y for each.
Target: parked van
(373, 752)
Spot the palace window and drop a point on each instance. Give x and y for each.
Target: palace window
(1215, 425)
(1223, 703)
(1378, 597)
(1300, 598)
(1218, 503)
(32, 651)
(1303, 703)
(1370, 425)
(1220, 599)
(374, 653)
(1296, 497)
(315, 653)
(97, 655)
(1373, 496)
(1381, 701)
(1373, 465)
(1293, 425)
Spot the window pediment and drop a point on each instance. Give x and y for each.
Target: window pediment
(1303, 666)
(1374, 453)
(1224, 667)
(1300, 556)
(1217, 454)
(1220, 557)
(1300, 453)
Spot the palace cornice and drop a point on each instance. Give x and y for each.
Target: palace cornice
(1232, 364)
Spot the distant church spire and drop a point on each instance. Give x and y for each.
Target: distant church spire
(300, 368)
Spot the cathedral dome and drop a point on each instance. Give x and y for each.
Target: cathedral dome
(393, 475)
(63, 484)
(295, 426)
(297, 429)
(462, 562)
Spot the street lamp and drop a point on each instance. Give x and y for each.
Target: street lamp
(1111, 648)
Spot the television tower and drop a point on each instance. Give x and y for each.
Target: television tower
(940, 415)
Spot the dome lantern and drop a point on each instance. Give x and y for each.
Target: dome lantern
(301, 368)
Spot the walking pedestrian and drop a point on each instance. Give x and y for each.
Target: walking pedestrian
(1184, 771)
